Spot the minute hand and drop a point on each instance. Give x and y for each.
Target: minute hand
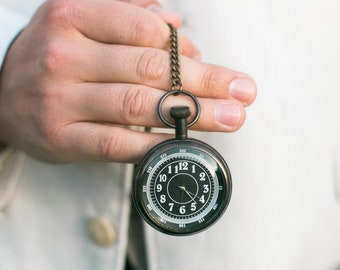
(188, 193)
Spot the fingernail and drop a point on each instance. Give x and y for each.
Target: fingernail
(243, 90)
(228, 114)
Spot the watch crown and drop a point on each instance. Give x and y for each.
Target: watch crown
(180, 114)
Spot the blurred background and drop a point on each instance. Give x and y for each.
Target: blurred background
(285, 161)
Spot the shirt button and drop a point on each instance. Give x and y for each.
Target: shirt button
(101, 231)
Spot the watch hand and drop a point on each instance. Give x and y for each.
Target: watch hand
(188, 193)
(195, 196)
(182, 195)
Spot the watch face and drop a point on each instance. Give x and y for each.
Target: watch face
(182, 187)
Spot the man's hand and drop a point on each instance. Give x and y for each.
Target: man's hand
(83, 70)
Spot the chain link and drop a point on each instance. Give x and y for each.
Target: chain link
(176, 88)
(174, 60)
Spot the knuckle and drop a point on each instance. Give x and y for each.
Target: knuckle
(61, 12)
(53, 57)
(109, 145)
(49, 113)
(209, 80)
(134, 104)
(143, 31)
(56, 52)
(151, 66)
(213, 81)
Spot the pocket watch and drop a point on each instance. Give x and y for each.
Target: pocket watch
(183, 185)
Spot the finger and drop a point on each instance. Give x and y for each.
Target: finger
(156, 7)
(141, 3)
(100, 142)
(127, 104)
(151, 67)
(108, 21)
